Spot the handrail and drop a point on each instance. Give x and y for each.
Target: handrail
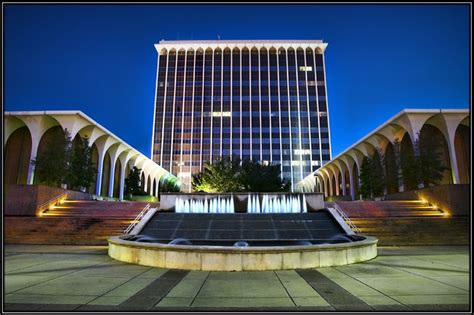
(45, 205)
(137, 219)
(346, 218)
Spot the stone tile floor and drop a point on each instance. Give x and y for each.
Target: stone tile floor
(75, 278)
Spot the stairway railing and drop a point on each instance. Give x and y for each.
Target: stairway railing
(346, 218)
(51, 202)
(137, 219)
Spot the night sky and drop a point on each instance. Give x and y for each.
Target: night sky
(100, 59)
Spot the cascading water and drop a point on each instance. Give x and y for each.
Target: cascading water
(214, 205)
(277, 204)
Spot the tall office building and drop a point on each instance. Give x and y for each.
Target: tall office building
(263, 100)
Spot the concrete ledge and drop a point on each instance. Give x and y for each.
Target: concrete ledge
(226, 258)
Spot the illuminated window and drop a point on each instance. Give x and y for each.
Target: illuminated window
(315, 163)
(311, 83)
(221, 114)
(306, 69)
(301, 152)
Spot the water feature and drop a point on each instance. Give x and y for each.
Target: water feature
(225, 232)
(277, 204)
(269, 204)
(212, 205)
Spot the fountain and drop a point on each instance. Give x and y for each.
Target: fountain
(242, 232)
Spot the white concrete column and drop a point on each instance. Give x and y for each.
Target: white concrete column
(343, 182)
(279, 110)
(453, 159)
(336, 189)
(145, 182)
(183, 109)
(299, 110)
(111, 178)
(164, 107)
(173, 117)
(289, 118)
(100, 169)
(122, 180)
(308, 111)
(351, 184)
(317, 109)
(34, 152)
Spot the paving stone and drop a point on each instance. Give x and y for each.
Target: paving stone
(130, 287)
(242, 275)
(109, 300)
(70, 285)
(17, 282)
(112, 270)
(440, 307)
(299, 289)
(242, 302)
(186, 288)
(355, 287)
(310, 301)
(197, 275)
(242, 288)
(371, 270)
(148, 297)
(179, 302)
(153, 273)
(409, 286)
(461, 282)
(334, 294)
(47, 299)
(457, 260)
(390, 307)
(432, 299)
(379, 300)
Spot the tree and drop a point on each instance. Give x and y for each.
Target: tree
(429, 163)
(371, 178)
(230, 174)
(51, 164)
(409, 168)
(132, 182)
(80, 170)
(220, 176)
(256, 177)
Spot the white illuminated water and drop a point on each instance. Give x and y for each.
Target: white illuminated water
(277, 204)
(269, 204)
(213, 205)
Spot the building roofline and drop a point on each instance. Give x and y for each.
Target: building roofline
(71, 113)
(213, 44)
(241, 41)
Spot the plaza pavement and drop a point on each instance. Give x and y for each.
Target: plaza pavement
(82, 278)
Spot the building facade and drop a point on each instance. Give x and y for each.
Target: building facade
(29, 133)
(398, 136)
(257, 100)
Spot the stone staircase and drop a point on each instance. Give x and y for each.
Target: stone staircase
(74, 222)
(407, 222)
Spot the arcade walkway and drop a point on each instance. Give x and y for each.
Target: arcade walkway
(84, 278)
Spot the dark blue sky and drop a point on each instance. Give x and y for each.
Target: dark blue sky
(100, 59)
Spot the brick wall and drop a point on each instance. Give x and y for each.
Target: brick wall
(22, 200)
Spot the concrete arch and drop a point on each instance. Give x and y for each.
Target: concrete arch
(433, 133)
(11, 124)
(463, 148)
(17, 157)
(163, 52)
